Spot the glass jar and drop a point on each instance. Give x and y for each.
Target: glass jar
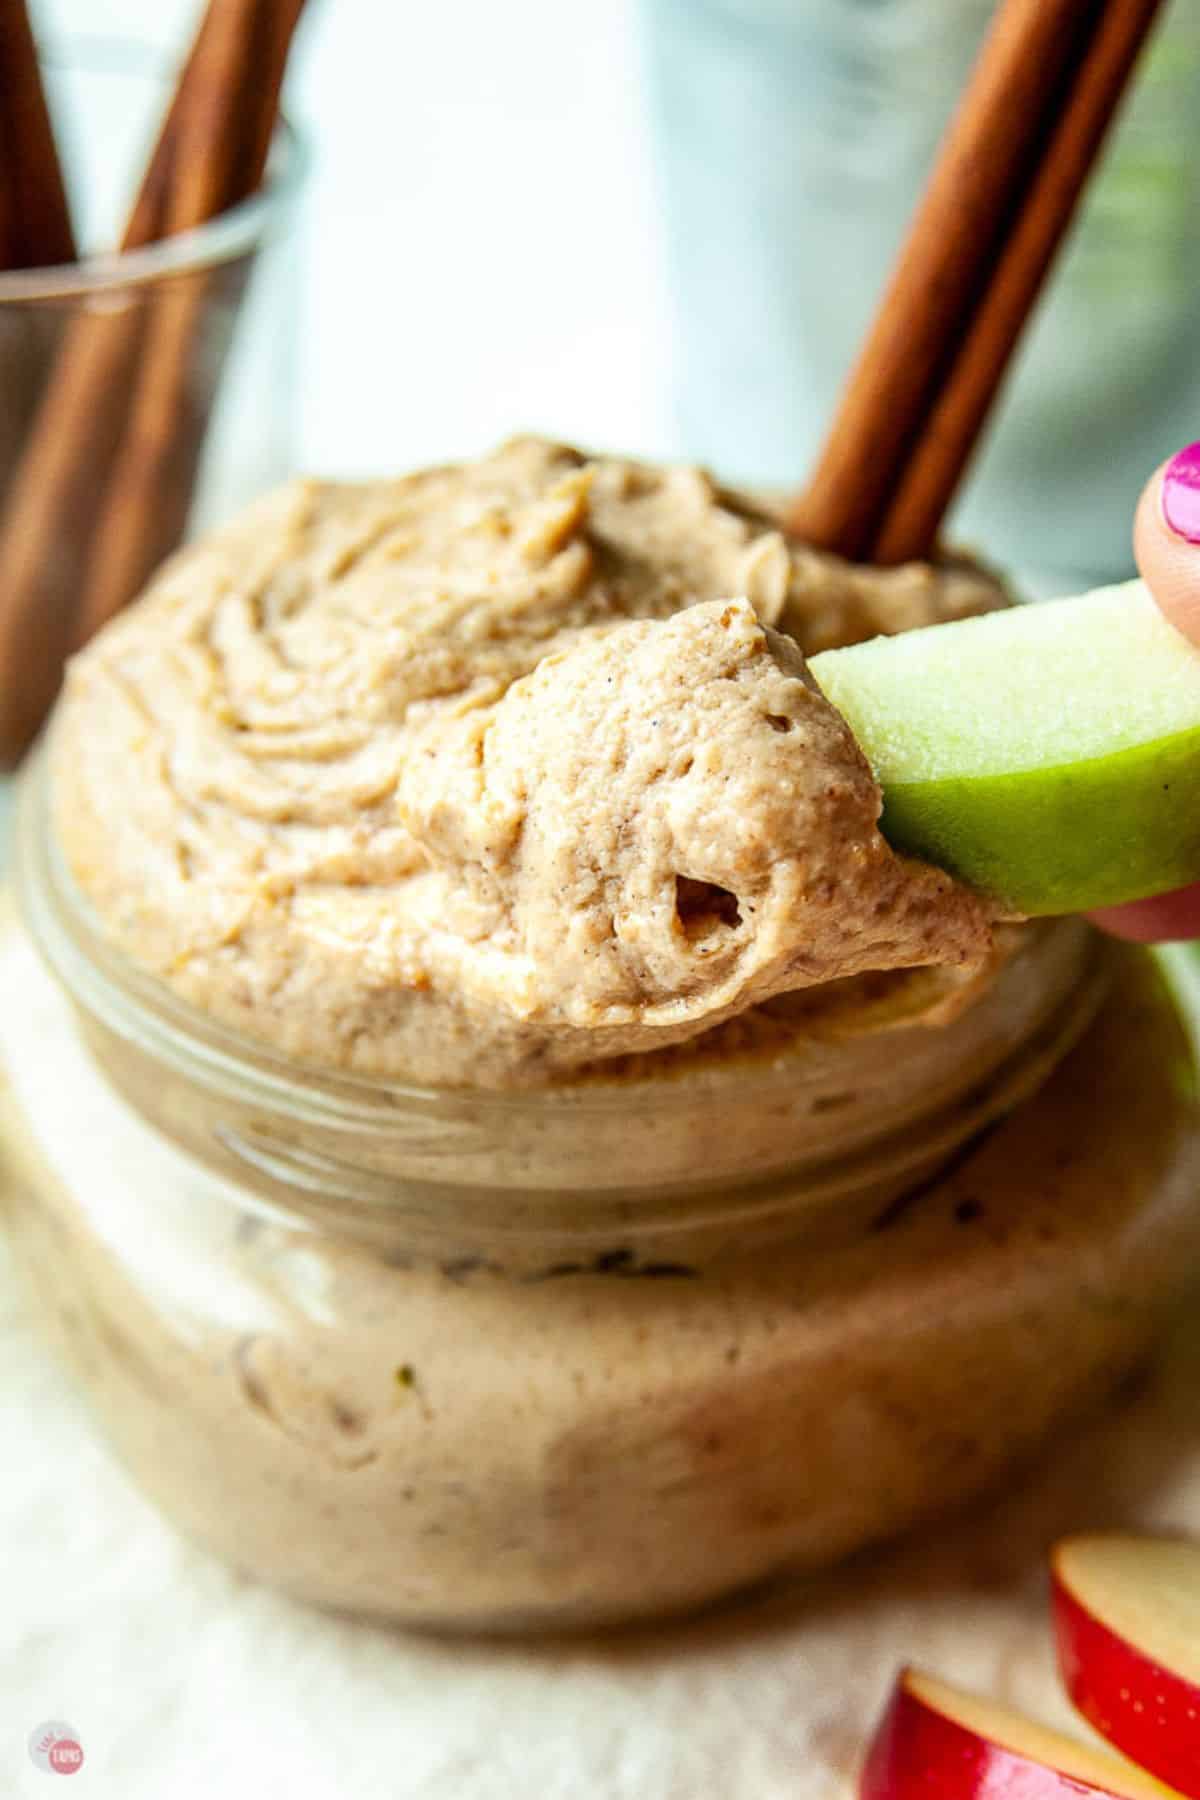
(611, 1349)
(107, 98)
(226, 292)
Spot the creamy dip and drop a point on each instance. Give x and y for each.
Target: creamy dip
(491, 772)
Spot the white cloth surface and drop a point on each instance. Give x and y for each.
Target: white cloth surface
(184, 1680)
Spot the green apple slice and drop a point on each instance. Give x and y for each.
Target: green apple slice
(1049, 755)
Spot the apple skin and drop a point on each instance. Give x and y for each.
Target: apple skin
(920, 1753)
(1145, 1712)
(1069, 839)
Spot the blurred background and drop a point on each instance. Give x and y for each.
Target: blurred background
(478, 248)
(663, 224)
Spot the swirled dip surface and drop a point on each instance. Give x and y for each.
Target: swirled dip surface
(495, 771)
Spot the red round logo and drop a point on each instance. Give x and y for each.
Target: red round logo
(55, 1749)
(65, 1756)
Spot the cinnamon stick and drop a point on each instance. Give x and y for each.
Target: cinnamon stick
(147, 220)
(994, 143)
(35, 227)
(206, 159)
(943, 452)
(148, 496)
(35, 219)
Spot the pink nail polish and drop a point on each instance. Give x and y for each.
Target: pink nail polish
(1181, 494)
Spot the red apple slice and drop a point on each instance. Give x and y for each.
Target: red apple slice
(936, 1743)
(1127, 1620)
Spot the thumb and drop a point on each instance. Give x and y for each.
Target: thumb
(1166, 542)
(1166, 539)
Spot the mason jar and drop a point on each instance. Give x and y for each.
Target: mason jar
(609, 1349)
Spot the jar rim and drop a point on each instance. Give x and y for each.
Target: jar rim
(232, 234)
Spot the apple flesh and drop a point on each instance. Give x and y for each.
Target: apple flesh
(936, 1743)
(1049, 755)
(1127, 1624)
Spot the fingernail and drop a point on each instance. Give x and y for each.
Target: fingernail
(1181, 494)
